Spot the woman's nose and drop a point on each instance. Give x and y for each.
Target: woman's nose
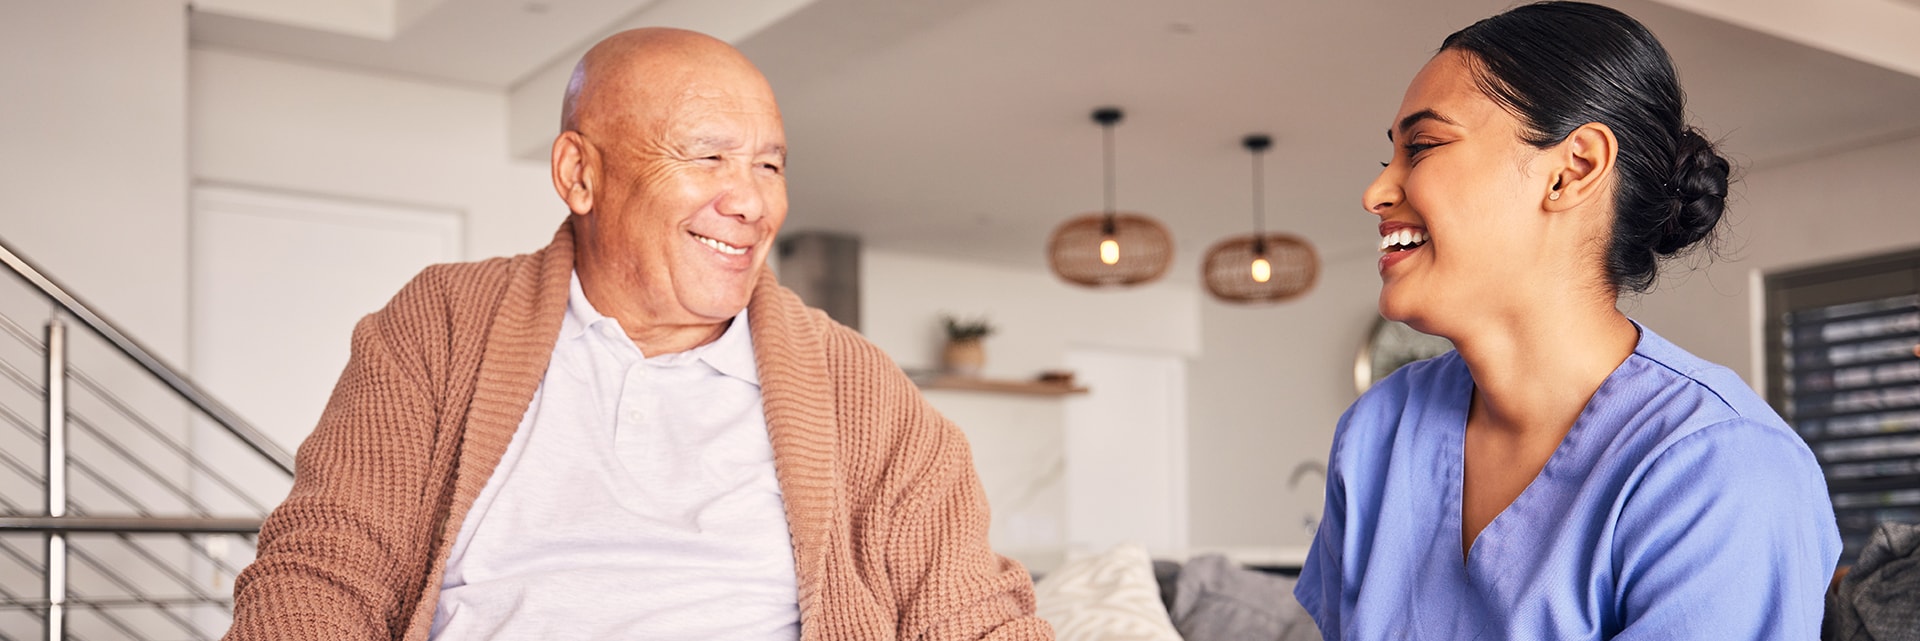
(1383, 194)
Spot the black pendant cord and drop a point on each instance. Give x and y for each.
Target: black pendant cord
(1108, 130)
(1258, 143)
(1106, 226)
(1259, 207)
(1108, 117)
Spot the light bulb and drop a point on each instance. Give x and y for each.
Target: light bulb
(1262, 270)
(1109, 251)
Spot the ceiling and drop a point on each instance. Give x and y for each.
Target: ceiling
(960, 127)
(488, 43)
(972, 138)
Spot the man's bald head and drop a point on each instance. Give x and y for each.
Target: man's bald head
(673, 158)
(648, 65)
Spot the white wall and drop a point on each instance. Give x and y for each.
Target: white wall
(1018, 442)
(93, 154)
(1266, 391)
(1126, 445)
(1037, 316)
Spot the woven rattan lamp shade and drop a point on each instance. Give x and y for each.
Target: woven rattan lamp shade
(1145, 250)
(1261, 267)
(1110, 248)
(1230, 273)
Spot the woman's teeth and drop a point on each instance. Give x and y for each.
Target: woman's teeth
(720, 246)
(1402, 240)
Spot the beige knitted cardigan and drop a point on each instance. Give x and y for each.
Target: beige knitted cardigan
(888, 519)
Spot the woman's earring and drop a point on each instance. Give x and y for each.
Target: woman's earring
(1553, 196)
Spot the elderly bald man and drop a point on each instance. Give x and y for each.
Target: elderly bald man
(634, 433)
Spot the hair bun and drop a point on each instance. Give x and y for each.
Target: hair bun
(1696, 193)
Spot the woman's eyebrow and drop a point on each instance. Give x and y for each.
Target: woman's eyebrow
(1418, 116)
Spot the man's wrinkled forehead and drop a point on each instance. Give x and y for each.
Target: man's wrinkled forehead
(696, 107)
(651, 69)
(672, 98)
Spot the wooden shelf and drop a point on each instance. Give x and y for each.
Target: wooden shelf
(1031, 388)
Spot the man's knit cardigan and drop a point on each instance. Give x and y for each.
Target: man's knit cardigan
(889, 522)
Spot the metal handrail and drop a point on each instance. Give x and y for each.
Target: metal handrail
(128, 525)
(119, 406)
(180, 384)
(115, 602)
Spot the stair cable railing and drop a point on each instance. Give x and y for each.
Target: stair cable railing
(147, 584)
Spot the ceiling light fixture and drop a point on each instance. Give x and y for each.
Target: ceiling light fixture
(1110, 248)
(1260, 267)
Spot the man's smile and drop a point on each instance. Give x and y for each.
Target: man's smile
(721, 246)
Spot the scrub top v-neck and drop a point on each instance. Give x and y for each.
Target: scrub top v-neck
(1677, 506)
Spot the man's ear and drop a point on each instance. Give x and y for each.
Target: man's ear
(1581, 164)
(576, 171)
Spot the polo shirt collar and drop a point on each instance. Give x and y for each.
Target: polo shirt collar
(731, 354)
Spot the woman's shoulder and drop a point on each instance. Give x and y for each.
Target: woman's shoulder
(1690, 394)
(1416, 389)
(1756, 477)
(1699, 418)
(1414, 384)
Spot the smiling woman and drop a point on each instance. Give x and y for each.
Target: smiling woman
(1565, 473)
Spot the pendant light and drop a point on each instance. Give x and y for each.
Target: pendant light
(1261, 266)
(1110, 248)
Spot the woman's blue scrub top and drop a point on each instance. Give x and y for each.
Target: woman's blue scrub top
(1679, 506)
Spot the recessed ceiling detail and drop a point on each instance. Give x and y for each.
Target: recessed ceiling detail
(488, 43)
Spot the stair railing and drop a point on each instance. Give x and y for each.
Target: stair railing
(63, 516)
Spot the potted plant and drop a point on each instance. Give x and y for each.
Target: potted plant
(965, 353)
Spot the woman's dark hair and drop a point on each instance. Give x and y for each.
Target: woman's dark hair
(1559, 65)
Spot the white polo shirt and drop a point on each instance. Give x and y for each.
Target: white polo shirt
(637, 500)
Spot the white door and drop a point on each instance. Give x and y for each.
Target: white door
(1126, 443)
(278, 281)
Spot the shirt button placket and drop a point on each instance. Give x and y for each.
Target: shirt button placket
(632, 396)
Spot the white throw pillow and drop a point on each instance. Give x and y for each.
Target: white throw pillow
(1108, 597)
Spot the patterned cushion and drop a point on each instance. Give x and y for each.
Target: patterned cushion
(1108, 597)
